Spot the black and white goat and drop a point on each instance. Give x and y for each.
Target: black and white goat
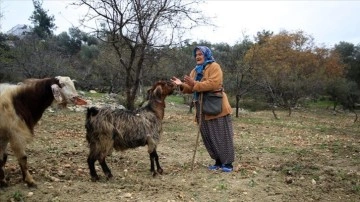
(121, 129)
(21, 107)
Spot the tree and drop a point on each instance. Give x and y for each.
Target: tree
(37, 59)
(6, 57)
(135, 27)
(263, 36)
(288, 66)
(350, 55)
(43, 23)
(67, 45)
(346, 93)
(71, 44)
(238, 78)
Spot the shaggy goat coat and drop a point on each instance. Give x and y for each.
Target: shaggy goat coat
(124, 129)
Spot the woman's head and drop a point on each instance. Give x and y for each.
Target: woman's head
(203, 55)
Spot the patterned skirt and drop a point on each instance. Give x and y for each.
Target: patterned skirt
(217, 135)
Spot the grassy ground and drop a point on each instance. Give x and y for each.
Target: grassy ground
(313, 155)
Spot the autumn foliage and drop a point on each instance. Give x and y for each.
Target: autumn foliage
(288, 66)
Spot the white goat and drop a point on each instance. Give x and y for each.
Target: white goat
(21, 107)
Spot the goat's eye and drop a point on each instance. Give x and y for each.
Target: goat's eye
(62, 85)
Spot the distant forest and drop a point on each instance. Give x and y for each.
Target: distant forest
(125, 55)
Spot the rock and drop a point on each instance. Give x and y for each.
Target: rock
(54, 179)
(61, 173)
(289, 180)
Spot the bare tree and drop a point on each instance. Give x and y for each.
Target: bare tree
(35, 58)
(135, 27)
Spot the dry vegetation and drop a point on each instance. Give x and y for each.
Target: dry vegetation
(310, 156)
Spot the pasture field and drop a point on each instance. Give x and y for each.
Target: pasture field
(313, 155)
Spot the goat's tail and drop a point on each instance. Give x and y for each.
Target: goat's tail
(91, 111)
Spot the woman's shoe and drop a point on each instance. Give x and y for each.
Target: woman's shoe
(214, 167)
(227, 168)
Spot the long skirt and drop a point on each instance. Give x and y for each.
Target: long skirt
(217, 135)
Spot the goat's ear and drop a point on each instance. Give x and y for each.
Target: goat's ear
(63, 80)
(56, 92)
(148, 94)
(157, 93)
(58, 78)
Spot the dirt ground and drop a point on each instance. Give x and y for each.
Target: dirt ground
(310, 156)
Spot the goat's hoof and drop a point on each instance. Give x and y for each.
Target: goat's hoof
(160, 171)
(95, 178)
(31, 184)
(109, 176)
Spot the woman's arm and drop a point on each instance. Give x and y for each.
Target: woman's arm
(212, 80)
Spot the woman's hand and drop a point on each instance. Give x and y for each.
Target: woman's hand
(176, 81)
(189, 81)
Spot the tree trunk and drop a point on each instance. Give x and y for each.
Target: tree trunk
(273, 111)
(237, 105)
(356, 116)
(191, 106)
(290, 111)
(130, 101)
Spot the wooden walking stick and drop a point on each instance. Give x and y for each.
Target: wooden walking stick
(198, 134)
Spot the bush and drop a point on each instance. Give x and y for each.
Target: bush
(178, 99)
(253, 105)
(249, 104)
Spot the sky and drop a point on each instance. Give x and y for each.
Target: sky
(327, 21)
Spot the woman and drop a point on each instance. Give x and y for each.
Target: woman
(216, 130)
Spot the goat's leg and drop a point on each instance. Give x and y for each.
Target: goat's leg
(158, 167)
(105, 167)
(25, 171)
(151, 143)
(155, 158)
(18, 147)
(3, 158)
(2, 169)
(151, 148)
(91, 162)
(152, 166)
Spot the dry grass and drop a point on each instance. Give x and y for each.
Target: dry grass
(310, 156)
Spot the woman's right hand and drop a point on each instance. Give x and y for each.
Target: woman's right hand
(176, 81)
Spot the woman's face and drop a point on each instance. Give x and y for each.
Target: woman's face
(199, 57)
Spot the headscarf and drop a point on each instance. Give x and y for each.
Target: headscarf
(208, 58)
